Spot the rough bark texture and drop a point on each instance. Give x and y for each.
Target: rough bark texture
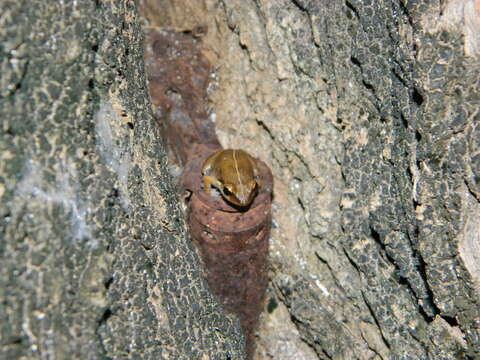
(94, 260)
(368, 113)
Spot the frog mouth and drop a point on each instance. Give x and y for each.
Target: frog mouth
(242, 199)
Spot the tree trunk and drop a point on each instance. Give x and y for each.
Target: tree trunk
(94, 258)
(368, 114)
(366, 111)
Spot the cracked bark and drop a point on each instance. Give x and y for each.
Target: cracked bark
(95, 259)
(367, 113)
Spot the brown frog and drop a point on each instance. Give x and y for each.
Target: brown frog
(234, 173)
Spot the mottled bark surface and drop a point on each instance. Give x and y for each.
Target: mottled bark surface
(94, 260)
(368, 113)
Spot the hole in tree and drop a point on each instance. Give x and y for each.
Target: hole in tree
(418, 136)
(417, 97)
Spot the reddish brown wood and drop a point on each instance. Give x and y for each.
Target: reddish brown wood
(178, 77)
(233, 242)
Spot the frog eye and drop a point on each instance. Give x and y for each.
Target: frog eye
(227, 191)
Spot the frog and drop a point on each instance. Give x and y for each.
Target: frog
(234, 173)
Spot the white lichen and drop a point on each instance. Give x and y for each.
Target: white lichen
(115, 156)
(33, 186)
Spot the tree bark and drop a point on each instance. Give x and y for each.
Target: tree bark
(368, 113)
(95, 262)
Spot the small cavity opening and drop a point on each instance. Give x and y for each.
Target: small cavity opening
(417, 97)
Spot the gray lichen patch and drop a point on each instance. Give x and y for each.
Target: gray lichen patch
(33, 191)
(113, 148)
